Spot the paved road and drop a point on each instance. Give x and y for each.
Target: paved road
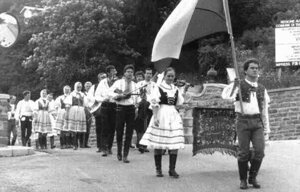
(86, 171)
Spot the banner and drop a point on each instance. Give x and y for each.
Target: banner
(214, 130)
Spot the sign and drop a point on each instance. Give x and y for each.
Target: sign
(214, 130)
(287, 43)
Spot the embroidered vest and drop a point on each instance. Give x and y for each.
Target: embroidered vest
(62, 104)
(77, 101)
(44, 108)
(246, 90)
(164, 99)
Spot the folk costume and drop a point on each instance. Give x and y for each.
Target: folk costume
(24, 113)
(42, 123)
(53, 117)
(250, 126)
(11, 124)
(108, 115)
(144, 113)
(125, 113)
(168, 134)
(75, 117)
(60, 123)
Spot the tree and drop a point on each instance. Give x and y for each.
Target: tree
(77, 40)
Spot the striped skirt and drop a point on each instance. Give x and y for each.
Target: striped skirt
(76, 119)
(60, 123)
(169, 134)
(42, 124)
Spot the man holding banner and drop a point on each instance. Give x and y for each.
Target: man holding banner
(251, 123)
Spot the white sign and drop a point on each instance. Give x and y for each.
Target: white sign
(287, 42)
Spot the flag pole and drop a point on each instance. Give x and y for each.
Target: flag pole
(229, 28)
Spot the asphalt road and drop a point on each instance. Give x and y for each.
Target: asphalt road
(85, 170)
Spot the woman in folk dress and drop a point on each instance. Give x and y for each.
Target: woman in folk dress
(75, 114)
(61, 125)
(42, 123)
(165, 131)
(53, 116)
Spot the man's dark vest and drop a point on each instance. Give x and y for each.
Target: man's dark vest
(246, 90)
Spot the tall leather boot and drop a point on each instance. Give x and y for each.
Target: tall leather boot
(62, 141)
(23, 141)
(41, 142)
(172, 161)
(52, 142)
(13, 141)
(157, 159)
(243, 171)
(45, 141)
(255, 165)
(140, 147)
(119, 154)
(29, 142)
(75, 141)
(37, 144)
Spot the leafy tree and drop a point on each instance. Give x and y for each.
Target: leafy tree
(77, 40)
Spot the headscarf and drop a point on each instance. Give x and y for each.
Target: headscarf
(75, 92)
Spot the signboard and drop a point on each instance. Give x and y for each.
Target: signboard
(214, 130)
(287, 43)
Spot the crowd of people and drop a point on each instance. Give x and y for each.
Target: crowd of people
(136, 102)
(118, 106)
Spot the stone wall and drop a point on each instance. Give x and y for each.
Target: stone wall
(285, 113)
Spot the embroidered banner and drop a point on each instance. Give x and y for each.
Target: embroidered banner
(214, 130)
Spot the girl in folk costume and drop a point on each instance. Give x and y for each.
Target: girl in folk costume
(42, 123)
(165, 130)
(75, 114)
(60, 125)
(53, 116)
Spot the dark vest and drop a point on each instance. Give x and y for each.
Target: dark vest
(77, 101)
(41, 107)
(164, 99)
(246, 90)
(62, 104)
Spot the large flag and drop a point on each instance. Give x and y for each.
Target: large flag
(170, 37)
(190, 20)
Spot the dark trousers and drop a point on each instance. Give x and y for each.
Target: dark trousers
(141, 124)
(99, 132)
(108, 123)
(26, 129)
(250, 129)
(11, 128)
(87, 133)
(124, 114)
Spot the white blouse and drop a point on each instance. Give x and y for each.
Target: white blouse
(171, 90)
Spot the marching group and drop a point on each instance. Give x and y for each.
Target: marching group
(138, 103)
(118, 105)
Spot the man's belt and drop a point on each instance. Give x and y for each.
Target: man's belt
(108, 104)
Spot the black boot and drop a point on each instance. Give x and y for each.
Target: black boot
(41, 142)
(255, 165)
(29, 142)
(23, 142)
(37, 144)
(45, 141)
(172, 172)
(75, 142)
(157, 159)
(52, 142)
(62, 141)
(243, 171)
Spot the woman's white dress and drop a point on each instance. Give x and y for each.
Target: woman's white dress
(169, 133)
